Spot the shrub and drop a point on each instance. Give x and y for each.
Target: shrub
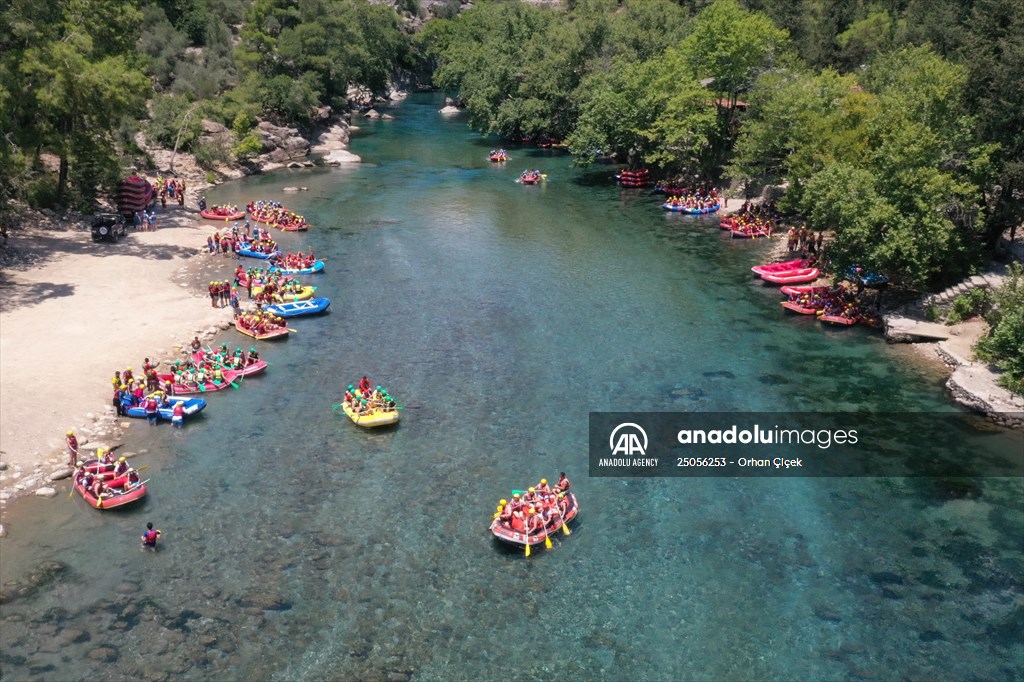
(968, 305)
(1004, 345)
(209, 155)
(249, 147)
(242, 124)
(42, 192)
(211, 177)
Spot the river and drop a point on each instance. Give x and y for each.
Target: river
(298, 547)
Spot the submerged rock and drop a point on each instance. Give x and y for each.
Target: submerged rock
(46, 492)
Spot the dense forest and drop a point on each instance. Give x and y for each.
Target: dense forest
(899, 124)
(79, 79)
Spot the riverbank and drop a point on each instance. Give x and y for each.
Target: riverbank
(74, 311)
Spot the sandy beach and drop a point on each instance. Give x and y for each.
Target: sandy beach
(70, 316)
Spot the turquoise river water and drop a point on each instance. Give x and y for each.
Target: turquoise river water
(297, 547)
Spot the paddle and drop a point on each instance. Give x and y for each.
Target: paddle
(292, 330)
(547, 538)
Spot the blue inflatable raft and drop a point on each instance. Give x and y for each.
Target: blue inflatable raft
(317, 267)
(192, 406)
(244, 251)
(313, 306)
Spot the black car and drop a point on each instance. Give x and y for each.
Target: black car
(108, 226)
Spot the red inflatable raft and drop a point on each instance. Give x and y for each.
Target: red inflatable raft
(743, 233)
(800, 309)
(115, 499)
(795, 264)
(798, 290)
(272, 333)
(799, 276)
(838, 320)
(213, 214)
(504, 531)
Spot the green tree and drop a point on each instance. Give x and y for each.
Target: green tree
(993, 52)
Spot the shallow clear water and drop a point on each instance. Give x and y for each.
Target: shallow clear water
(297, 547)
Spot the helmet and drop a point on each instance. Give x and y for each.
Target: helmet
(500, 507)
(71, 433)
(129, 369)
(252, 350)
(516, 496)
(543, 481)
(79, 464)
(532, 510)
(532, 490)
(122, 459)
(503, 502)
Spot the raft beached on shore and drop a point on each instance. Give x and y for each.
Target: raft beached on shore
(313, 306)
(115, 500)
(192, 406)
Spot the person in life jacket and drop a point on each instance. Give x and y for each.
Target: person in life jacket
(121, 467)
(542, 487)
(364, 385)
(150, 537)
(99, 488)
(531, 496)
(518, 520)
(72, 443)
(151, 410)
(534, 521)
(133, 479)
(563, 484)
(178, 414)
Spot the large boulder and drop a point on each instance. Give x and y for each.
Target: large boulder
(288, 140)
(335, 137)
(340, 157)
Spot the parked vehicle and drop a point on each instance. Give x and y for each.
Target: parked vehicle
(108, 226)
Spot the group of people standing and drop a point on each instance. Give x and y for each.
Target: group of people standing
(802, 239)
(173, 189)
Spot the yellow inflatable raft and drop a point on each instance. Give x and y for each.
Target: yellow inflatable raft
(304, 294)
(376, 417)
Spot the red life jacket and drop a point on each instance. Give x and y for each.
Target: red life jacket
(150, 537)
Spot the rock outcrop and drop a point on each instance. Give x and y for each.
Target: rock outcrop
(340, 157)
(334, 137)
(280, 145)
